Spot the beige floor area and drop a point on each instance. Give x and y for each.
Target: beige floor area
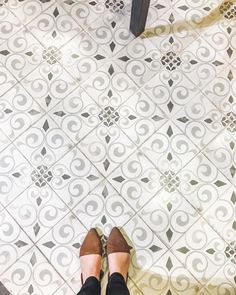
(101, 129)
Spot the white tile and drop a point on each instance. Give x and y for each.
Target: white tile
(82, 56)
(32, 273)
(44, 143)
(7, 80)
(201, 251)
(61, 245)
(165, 276)
(54, 27)
(200, 120)
(13, 242)
(222, 90)
(136, 179)
(64, 290)
(200, 182)
(111, 30)
(21, 54)
(37, 209)
(73, 177)
(19, 111)
(139, 117)
(4, 141)
(146, 247)
(169, 216)
(103, 208)
(171, 91)
(107, 146)
(119, 131)
(15, 174)
(29, 9)
(221, 150)
(110, 86)
(140, 59)
(224, 279)
(222, 215)
(9, 24)
(76, 115)
(49, 83)
(169, 148)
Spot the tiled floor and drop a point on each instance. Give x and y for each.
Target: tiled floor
(98, 128)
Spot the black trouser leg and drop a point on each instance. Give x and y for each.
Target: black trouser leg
(91, 286)
(116, 285)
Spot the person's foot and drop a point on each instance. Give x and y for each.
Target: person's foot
(118, 253)
(91, 255)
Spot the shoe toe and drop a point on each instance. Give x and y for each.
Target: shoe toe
(116, 242)
(91, 244)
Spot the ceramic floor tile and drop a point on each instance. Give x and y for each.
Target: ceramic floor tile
(137, 180)
(44, 143)
(222, 90)
(197, 13)
(170, 90)
(4, 141)
(222, 32)
(201, 251)
(15, 175)
(73, 177)
(101, 129)
(75, 282)
(221, 151)
(76, 115)
(111, 30)
(31, 273)
(84, 12)
(200, 120)
(82, 56)
(168, 276)
(107, 146)
(9, 24)
(156, 11)
(200, 182)
(140, 60)
(6, 80)
(49, 83)
(27, 10)
(64, 290)
(21, 54)
(222, 216)
(169, 149)
(139, 117)
(110, 86)
(37, 209)
(18, 111)
(169, 216)
(103, 208)
(170, 32)
(200, 62)
(224, 280)
(146, 247)
(61, 245)
(13, 242)
(54, 27)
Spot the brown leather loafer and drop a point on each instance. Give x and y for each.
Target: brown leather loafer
(91, 244)
(116, 242)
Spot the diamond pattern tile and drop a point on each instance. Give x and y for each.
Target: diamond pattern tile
(99, 128)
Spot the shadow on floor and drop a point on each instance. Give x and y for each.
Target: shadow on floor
(213, 17)
(174, 281)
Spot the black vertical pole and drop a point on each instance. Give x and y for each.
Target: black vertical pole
(139, 13)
